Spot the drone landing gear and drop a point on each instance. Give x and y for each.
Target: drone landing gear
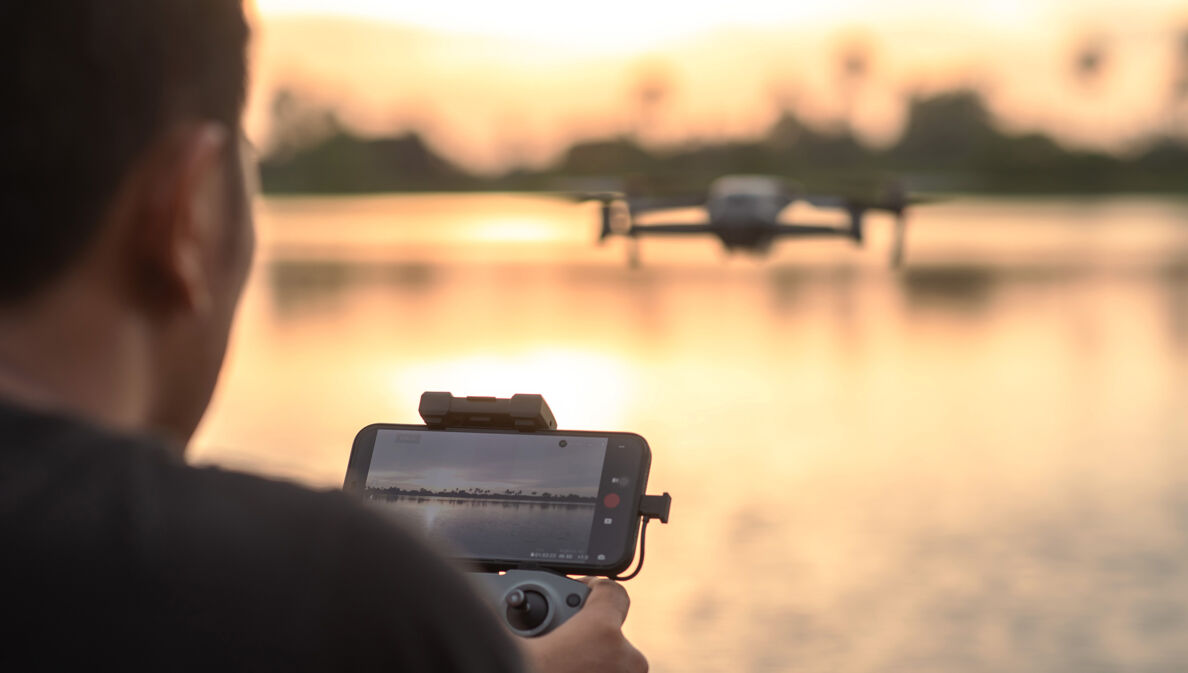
(898, 241)
(633, 258)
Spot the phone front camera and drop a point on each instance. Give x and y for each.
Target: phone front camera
(563, 443)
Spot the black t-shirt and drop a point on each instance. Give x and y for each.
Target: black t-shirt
(113, 550)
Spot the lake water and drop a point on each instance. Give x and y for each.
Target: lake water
(977, 463)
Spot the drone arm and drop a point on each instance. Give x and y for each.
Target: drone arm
(787, 230)
(668, 229)
(812, 230)
(646, 204)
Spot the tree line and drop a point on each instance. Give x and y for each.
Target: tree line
(950, 143)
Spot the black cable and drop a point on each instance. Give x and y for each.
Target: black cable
(643, 536)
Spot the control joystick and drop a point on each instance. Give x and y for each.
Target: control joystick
(533, 602)
(526, 609)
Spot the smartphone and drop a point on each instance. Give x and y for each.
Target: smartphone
(566, 501)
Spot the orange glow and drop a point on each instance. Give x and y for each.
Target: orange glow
(611, 26)
(1001, 423)
(614, 24)
(495, 84)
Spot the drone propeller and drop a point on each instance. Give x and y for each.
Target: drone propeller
(892, 203)
(582, 197)
(824, 201)
(889, 195)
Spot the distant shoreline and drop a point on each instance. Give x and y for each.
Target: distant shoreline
(951, 143)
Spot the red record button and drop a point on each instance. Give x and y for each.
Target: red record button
(611, 500)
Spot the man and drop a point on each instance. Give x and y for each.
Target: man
(126, 240)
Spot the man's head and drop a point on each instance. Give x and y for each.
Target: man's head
(121, 184)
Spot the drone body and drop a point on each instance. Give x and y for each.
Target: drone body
(744, 213)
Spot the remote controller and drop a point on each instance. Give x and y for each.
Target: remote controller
(533, 602)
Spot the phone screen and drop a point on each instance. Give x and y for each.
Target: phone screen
(553, 499)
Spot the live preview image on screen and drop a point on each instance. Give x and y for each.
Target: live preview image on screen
(492, 496)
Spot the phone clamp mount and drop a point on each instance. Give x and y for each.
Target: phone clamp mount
(532, 601)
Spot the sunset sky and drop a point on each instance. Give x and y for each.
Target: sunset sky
(632, 24)
(492, 84)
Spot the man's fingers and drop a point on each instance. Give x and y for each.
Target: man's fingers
(608, 596)
(593, 640)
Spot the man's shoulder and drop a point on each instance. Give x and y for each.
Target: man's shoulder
(359, 576)
(67, 485)
(69, 471)
(248, 511)
(250, 519)
(115, 531)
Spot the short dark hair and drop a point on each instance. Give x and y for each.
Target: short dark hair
(90, 84)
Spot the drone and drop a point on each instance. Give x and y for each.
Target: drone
(744, 213)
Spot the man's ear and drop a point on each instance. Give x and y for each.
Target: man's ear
(179, 232)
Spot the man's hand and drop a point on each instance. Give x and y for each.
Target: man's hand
(592, 640)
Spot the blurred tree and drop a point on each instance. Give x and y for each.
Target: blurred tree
(311, 151)
(784, 93)
(945, 131)
(1178, 117)
(616, 156)
(797, 147)
(347, 163)
(855, 55)
(651, 88)
(950, 140)
(1089, 61)
(298, 123)
(1181, 84)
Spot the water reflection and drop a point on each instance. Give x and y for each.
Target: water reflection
(964, 290)
(790, 284)
(300, 286)
(977, 464)
(1175, 277)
